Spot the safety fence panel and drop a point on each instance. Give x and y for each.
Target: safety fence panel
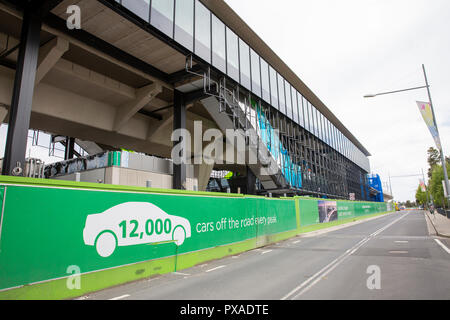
(45, 230)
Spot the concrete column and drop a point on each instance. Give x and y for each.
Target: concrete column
(70, 148)
(179, 122)
(251, 182)
(22, 98)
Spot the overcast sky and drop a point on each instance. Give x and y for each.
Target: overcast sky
(345, 49)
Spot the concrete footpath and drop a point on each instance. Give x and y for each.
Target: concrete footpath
(440, 223)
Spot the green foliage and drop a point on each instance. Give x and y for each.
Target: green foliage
(436, 188)
(421, 197)
(434, 158)
(409, 204)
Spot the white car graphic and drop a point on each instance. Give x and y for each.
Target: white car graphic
(133, 223)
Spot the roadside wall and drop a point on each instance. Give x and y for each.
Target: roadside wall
(51, 230)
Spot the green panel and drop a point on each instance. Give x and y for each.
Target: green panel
(91, 282)
(346, 209)
(309, 212)
(43, 222)
(47, 228)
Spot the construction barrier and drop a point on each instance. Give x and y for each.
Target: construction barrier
(61, 239)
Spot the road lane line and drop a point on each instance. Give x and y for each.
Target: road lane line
(216, 268)
(401, 241)
(442, 245)
(311, 281)
(182, 274)
(298, 241)
(121, 297)
(264, 252)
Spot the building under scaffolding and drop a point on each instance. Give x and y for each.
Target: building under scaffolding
(137, 70)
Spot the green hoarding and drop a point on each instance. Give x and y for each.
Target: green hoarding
(314, 211)
(49, 226)
(46, 230)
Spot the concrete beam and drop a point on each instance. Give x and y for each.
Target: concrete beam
(127, 111)
(80, 44)
(75, 71)
(155, 127)
(49, 54)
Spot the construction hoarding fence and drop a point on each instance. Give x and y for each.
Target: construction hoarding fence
(55, 232)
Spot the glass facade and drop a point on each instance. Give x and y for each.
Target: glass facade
(162, 15)
(312, 123)
(294, 105)
(265, 82)
(197, 29)
(281, 95)
(273, 88)
(202, 31)
(232, 55)
(184, 23)
(301, 122)
(244, 58)
(287, 90)
(256, 73)
(141, 8)
(218, 44)
(307, 114)
(322, 135)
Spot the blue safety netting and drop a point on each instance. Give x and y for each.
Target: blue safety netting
(291, 171)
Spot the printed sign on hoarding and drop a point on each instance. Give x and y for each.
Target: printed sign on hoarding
(133, 223)
(327, 211)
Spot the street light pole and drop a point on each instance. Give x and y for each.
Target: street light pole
(390, 186)
(444, 166)
(427, 86)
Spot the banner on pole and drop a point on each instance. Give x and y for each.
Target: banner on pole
(422, 186)
(427, 114)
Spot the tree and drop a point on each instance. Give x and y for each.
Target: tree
(421, 197)
(434, 158)
(436, 188)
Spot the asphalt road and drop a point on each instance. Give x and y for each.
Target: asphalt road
(394, 255)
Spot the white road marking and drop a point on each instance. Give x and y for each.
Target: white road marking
(401, 241)
(264, 252)
(398, 252)
(182, 274)
(121, 297)
(442, 245)
(216, 268)
(311, 281)
(295, 242)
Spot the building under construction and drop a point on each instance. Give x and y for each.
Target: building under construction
(112, 90)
